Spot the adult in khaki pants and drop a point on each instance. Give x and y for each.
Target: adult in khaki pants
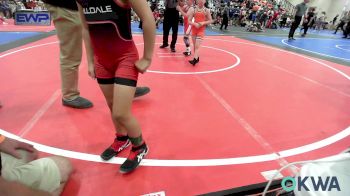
(69, 32)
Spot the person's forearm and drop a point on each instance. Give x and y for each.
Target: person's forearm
(182, 12)
(149, 33)
(86, 37)
(88, 47)
(191, 21)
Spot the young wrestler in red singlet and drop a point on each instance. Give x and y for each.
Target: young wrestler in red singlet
(113, 59)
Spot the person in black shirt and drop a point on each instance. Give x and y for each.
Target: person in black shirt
(300, 12)
(335, 19)
(225, 16)
(347, 30)
(308, 21)
(171, 21)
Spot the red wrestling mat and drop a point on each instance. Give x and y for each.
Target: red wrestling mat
(244, 109)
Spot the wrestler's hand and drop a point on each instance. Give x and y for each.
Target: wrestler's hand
(142, 65)
(91, 71)
(10, 146)
(197, 25)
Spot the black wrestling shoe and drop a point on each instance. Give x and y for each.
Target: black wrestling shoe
(194, 61)
(116, 147)
(141, 91)
(187, 53)
(135, 157)
(164, 46)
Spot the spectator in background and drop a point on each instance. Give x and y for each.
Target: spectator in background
(255, 10)
(343, 21)
(236, 13)
(274, 17)
(19, 164)
(4, 12)
(5, 9)
(39, 6)
(284, 19)
(289, 21)
(335, 19)
(225, 16)
(263, 19)
(218, 16)
(347, 29)
(308, 21)
(300, 11)
(171, 21)
(12, 5)
(321, 21)
(2, 19)
(156, 16)
(20, 6)
(134, 17)
(270, 14)
(30, 4)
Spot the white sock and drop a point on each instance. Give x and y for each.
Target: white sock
(188, 49)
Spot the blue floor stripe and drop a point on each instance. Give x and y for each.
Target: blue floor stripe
(8, 37)
(335, 48)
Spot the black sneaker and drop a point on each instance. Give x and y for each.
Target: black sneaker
(140, 91)
(194, 61)
(79, 103)
(135, 157)
(115, 149)
(172, 49)
(187, 53)
(164, 46)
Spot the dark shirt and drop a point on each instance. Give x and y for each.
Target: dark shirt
(310, 15)
(170, 3)
(301, 9)
(68, 4)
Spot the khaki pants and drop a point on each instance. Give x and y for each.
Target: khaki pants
(69, 32)
(42, 174)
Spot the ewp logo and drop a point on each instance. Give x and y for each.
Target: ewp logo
(33, 18)
(318, 184)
